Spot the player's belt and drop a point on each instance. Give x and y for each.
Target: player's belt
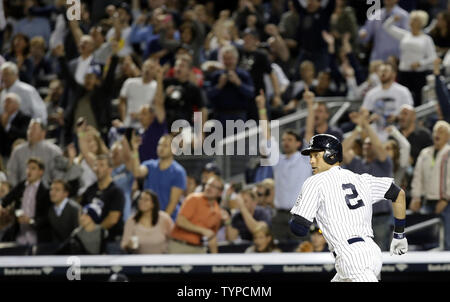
(353, 240)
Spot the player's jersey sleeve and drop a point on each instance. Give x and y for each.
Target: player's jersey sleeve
(378, 186)
(308, 201)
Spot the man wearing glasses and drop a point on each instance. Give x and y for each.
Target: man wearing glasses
(198, 221)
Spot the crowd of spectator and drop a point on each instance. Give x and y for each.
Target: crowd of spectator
(87, 105)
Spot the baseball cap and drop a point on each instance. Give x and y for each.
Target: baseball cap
(125, 6)
(212, 167)
(94, 210)
(95, 69)
(250, 31)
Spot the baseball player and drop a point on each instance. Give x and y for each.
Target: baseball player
(341, 202)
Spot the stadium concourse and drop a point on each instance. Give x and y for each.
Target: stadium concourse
(137, 136)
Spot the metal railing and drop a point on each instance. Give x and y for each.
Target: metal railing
(426, 224)
(233, 167)
(426, 109)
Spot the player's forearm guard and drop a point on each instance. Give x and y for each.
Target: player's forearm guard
(399, 226)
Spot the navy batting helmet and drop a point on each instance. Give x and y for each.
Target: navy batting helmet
(328, 143)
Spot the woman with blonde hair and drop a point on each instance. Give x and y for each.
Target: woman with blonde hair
(263, 241)
(417, 52)
(91, 145)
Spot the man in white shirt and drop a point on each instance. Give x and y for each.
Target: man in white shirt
(81, 64)
(31, 102)
(290, 170)
(137, 92)
(385, 100)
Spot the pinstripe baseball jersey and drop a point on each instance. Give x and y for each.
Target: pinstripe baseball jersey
(341, 202)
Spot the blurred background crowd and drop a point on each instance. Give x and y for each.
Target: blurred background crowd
(87, 107)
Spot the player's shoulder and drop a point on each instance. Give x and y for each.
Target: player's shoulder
(341, 173)
(313, 180)
(375, 179)
(322, 177)
(366, 176)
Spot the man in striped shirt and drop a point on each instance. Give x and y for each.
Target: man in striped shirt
(341, 202)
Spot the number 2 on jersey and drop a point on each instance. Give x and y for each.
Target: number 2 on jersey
(349, 197)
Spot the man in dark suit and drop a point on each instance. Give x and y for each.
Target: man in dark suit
(29, 202)
(13, 123)
(65, 213)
